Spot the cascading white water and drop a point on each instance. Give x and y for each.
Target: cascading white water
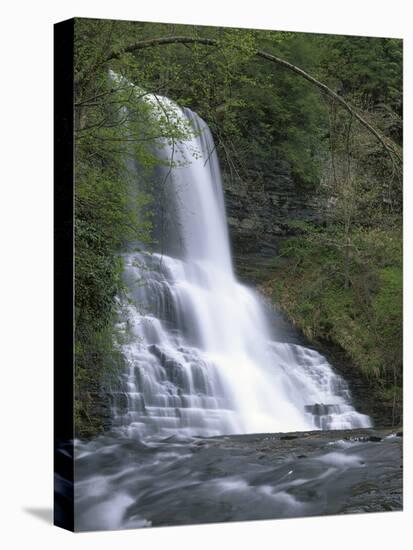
(201, 357)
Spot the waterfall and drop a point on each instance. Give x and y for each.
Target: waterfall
(201, 356)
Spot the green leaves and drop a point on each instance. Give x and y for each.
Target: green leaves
(365, 319)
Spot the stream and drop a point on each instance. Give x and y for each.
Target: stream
(126, 483)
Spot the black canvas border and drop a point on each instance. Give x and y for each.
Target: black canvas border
(63, 275)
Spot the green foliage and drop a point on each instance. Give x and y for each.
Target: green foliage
(367, 70)
(256, 110)
(99, 362)
(364, 319)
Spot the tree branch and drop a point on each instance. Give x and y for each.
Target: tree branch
(143, 44)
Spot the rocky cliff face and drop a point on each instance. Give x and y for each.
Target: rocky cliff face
(262, 211)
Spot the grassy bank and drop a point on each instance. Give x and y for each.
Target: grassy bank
(350, 296)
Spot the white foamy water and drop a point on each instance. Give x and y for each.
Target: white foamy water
(201, 356)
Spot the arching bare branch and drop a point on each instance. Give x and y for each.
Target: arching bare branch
(389, 147)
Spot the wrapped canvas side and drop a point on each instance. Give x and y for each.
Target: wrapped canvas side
(63, 275)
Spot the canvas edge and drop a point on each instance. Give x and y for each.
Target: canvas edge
(63, 275)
